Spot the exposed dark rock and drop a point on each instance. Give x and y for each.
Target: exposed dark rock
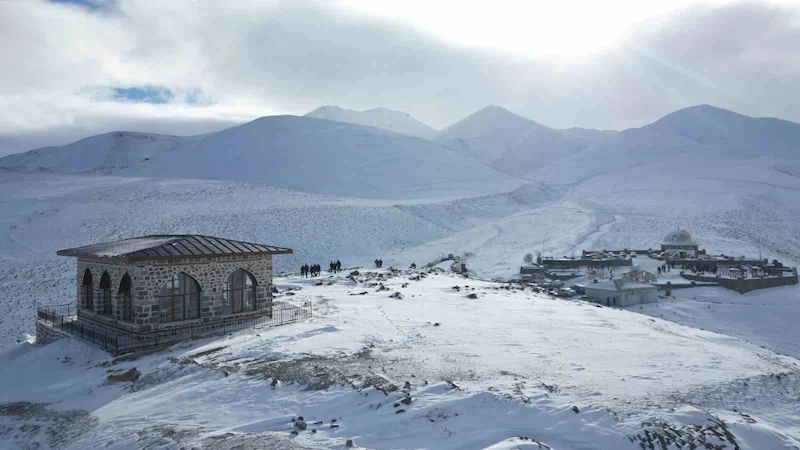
(131, 375)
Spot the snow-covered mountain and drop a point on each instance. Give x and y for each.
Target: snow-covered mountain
(327, 157)
(387, 119)
(512, 143)
(699, 139)
(303, 153)
(101, 153)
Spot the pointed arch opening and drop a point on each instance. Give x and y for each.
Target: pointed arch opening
(87, 290)
(240, 291)
(105, 294)
(125, 298)
(179, 298)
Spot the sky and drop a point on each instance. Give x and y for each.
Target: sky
(75, 68)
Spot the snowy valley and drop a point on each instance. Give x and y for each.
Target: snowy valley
(434, 366)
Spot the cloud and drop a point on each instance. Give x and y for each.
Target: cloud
(176, 67)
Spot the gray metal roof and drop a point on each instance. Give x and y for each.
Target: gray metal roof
(171, 246)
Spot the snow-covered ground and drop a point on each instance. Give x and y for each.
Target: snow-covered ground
(766, 317)
(504, 369)
(433, 369)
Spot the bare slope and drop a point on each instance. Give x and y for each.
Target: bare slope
(387, 119)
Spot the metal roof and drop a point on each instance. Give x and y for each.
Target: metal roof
(170, 247)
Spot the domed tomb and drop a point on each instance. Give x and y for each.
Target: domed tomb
(679, 244)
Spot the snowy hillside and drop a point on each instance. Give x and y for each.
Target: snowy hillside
(45, 212)
(328, 157)
(430, 367)
(387, 119)
(695, 138)
(512, 143)
(104, 153)
(508, 369)
(303, 153)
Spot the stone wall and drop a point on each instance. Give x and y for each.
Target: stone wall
(46, 334)
(115, 273)
(744, 285)
(148, 277)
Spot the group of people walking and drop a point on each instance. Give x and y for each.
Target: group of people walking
(310, 271)
(378, 263)
(315, 270)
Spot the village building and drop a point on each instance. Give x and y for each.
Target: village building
(597, 260)
(169, 282)
(621, 292)
(532, 273)
(679, 244)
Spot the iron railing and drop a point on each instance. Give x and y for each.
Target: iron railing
(117, 340)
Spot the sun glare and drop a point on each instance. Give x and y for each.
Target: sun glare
(566, 29)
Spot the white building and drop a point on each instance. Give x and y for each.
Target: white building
(679, 244)
(621, 292)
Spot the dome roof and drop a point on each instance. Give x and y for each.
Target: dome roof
(679, 237)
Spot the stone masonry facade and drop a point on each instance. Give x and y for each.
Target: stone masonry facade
(148, 278)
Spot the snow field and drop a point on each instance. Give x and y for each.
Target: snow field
(504, 365)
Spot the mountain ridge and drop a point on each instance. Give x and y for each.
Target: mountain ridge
(384, 118)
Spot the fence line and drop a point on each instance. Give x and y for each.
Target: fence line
(124, 341)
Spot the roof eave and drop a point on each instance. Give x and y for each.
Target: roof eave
(216, 255)
(124, 258)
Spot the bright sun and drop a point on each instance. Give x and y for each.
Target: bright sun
(561, 28)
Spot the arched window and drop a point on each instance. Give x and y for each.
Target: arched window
(125, 299)
(179, 299)
(87, 290)
(240, 291)
(105, 294)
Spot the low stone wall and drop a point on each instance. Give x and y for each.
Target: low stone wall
(578, 263)
(693, 284)
(46, 334)
(744, 285)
